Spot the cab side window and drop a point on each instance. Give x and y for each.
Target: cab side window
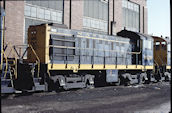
(157, 45)
(164, 45)
(147, 44)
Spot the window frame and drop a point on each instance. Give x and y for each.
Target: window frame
(131, 15)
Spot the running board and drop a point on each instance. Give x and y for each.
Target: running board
(37, 86)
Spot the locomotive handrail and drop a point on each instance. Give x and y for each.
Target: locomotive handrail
(36, 58)
(6, 45)
(13, 53)
(9, 45)
(92, 57)
(64, 47)
(84, 55)
(28, 46)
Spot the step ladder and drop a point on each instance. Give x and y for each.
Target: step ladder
(7, 85)
(37, 86)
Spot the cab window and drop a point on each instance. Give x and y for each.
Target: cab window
(148, 44)
(157, 45)
(163, 45)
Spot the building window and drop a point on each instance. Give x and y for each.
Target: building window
(27, 10)
(38, 12)
(47, 14)
(43, 13)
(131, 18)
(33, 12)
(53, 16)
(95, 24)
(96, 15)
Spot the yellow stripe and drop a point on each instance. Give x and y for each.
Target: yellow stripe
(96, 67)
(168, 67)
(85, 67)
(56, 66)
(149, 67)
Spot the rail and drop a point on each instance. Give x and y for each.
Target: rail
(38, 60)
(14, 54)
(64, 47)
(9, 45)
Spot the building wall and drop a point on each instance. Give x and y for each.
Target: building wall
(15, 19)
(77, 15)
(118, 15)
(14, 25)
(66, 12)
(142, 4)
(14, 22)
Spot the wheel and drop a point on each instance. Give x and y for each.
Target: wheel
(152, 78)
(118, 83)
(143, 81)
(167, 76)
(88, 85)
(124, 80)
(127, 82)
(57, 86)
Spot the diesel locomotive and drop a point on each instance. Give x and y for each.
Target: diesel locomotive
(58, 58)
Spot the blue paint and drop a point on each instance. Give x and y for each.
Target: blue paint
(147, 54)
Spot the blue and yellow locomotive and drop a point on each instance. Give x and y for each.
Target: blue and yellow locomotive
(59, 58)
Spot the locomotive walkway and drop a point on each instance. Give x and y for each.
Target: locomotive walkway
(152, 98)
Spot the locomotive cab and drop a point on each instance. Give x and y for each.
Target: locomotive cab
(144, 44)
(141, 43)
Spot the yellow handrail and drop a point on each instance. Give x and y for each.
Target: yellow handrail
(13, 52)
(38, 60)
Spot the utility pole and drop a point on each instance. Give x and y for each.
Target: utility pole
(2, 11)
(170, 18)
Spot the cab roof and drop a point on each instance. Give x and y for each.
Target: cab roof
(133, 35)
